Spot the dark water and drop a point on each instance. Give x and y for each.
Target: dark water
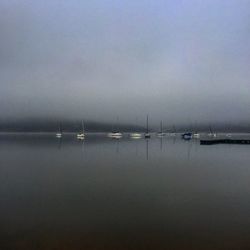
(122, 194)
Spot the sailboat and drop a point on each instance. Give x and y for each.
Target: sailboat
(115, 133)
(173, 133)
(186, 136)
(135, 135)
(211, 133)
(59, 133)
(81, 135)
(196, 135)
(160, 134)
(147, 134)
(229, 134)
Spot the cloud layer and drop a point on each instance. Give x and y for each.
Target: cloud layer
(180, 61)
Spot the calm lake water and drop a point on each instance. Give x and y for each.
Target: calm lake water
(122, 194)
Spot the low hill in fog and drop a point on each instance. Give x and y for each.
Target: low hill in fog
(52, 125)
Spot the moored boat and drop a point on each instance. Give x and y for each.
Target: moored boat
(81, 135)
(160, 133)
(186, 136)
(135, 135)
(115, 133)
(59, 133)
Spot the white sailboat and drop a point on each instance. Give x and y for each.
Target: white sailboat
(135, 135)
(229, 134)
(160, 134)
(211, 133)
(59, 133)
(81, 135)
(115, 133)
(196, 135)
(173, 133)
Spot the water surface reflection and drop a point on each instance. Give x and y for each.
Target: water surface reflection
(102, 193)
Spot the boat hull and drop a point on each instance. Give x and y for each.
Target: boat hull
(196, 136)
(135, 135)
(80, 136)
(116, 135)
(58, 135)
(186, 136)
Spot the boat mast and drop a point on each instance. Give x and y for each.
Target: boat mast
(174, 129)
(196, 128)
(161, 127)
(82, 127)
(117, 122)
(210, 129)
(136, 122)
(60, 128)
(147, 124)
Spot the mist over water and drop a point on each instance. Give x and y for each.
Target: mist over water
(180, 61)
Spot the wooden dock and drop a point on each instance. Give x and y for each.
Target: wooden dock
(225, 141)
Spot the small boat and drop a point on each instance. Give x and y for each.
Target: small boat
(81, 135)
(161, 134)
(135, 135)
(196, 135)
(186, 136)
(147, 134)
(115, 133)
(214, 135)
(229, 134)
(59, 133)
(173, 133)
(211, 133)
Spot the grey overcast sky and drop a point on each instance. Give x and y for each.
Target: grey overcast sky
(177, 60)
